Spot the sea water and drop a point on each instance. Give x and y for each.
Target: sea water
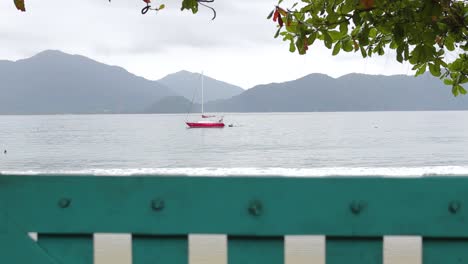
(287, 144)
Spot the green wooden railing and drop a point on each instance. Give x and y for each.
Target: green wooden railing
(255, 213)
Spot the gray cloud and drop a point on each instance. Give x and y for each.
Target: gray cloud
(237, 47)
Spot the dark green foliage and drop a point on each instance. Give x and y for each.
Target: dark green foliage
(190, 5)
(421, 31)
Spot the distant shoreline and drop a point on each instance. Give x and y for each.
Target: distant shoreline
(232, 113)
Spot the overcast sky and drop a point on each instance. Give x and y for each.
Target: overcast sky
(238, 47)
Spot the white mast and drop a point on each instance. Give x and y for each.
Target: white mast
(202, 110)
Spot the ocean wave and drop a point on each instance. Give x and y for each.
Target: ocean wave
(287, 172)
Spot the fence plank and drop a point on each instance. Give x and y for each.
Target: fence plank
(445, 251)
(210, 205)
(160, 249)
(255, 250)
(3, 213)
(68, 249)
(15, 244)
(17, 247)
(340, 250)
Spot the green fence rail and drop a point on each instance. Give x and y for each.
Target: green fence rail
(254, 212)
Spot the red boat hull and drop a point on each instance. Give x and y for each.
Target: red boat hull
(205, 125)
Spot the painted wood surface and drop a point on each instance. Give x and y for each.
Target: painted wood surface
(255, 212)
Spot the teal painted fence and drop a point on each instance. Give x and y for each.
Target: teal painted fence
(254, 212)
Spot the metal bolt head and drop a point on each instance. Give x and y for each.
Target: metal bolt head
(356, 207)
(454, 207)
(157, 204)
(255, 208)
(64, 203)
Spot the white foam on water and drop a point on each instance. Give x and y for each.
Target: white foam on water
(287, 172)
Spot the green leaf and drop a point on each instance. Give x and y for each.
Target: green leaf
(421, 70)
(337, 48)
(348, 45)
(449, 43)
(434, 69)
(191, 5)
(442, 26)
(327, 39)
(429, 52)
(335, 35)
(356, 31)
(399, 51)
(464, 79)
(455, 90)
(416, 54)
(429, 37)
(380, 50)
(398, 33)
(271, 14)
(311, 38)
(286, 36)
(277, 32)
(347, 6)
(448, 82)
(292, 47)
(456, 65)
(332, 17)
(300, 45)
(357, 17)
(344, 28)
(406, 52)
(372, 33)
(364, 34)
(363, 52)
(441, 62)
(461, 89)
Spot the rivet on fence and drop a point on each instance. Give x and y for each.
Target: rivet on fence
(64, 203)
(356, 207)
(255, 208)
(454, 207)
(157, 204)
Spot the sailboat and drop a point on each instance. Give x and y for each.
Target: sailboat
(207, 121)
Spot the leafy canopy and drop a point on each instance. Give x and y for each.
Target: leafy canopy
(424, 33)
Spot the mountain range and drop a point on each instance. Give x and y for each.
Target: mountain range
(352, 92)
(187, 84)
(53, 82)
